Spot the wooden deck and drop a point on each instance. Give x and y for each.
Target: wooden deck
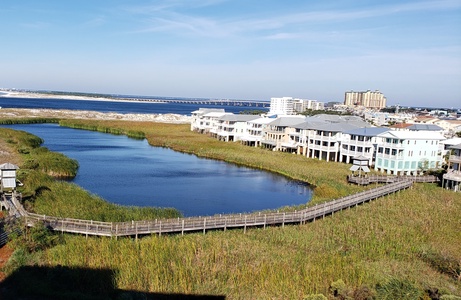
(201, 224)
(365, 180)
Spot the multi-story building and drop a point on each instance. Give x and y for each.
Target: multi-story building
(301, 105)
(276, 134)
(369, 99)
(232, 127)
(361, 142)
(203, 120)
(320, 136)
(255, 131)
(408, 152)
(291, 106)
(282, 106)
(452, 179)
(337, 138)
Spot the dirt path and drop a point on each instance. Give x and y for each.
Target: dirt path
(5, 254)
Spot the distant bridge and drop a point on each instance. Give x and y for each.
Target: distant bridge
(223, 102)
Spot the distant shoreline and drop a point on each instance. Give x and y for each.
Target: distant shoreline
(38, 95)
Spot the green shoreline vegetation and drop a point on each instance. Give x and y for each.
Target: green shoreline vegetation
(397, 247)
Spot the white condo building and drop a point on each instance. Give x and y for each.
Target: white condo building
(291, 106)
(408, 152)
(282, 106)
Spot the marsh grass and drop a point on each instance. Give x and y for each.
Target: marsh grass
(401, 244)
(376, 246)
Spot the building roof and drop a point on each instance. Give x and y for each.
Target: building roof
(207, 110)
(367, 131)
(8, 166)
(413, 135)
(261, 120)
(287, 121)
(215, 114)
(400, 125)
(427, 127)
(452, 142)
(334, 127)
(238, 118)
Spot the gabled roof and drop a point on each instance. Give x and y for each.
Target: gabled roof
(334, 127)
(413, 135)
(453, 141)
(238, 118)
(207, 110)
(287, 121)
(261, 120)
(215, 114)
(360, 157)
(428, 127)
(367, 131)
(8, 166)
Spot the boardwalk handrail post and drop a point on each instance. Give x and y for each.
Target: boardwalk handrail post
(182, 228)
(245, 226)
(283, 220)
(265, 220)
(204, 225)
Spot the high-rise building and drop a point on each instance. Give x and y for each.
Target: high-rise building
(290, 106)
(282, 106)
(367, 99)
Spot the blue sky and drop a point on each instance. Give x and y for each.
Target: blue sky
(237, 49)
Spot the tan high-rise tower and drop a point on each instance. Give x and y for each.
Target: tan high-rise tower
(367, 99)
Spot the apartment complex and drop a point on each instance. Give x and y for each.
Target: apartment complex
(408, 152)
(331, 138)
(368, 99)
(290, 106)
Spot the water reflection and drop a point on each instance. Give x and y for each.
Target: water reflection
(131, 172)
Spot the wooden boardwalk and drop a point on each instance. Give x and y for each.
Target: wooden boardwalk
(201, 224)
(365, 180)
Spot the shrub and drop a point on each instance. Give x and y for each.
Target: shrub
(398, 289)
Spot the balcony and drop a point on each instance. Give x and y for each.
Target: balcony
(455, 159)
(452, 175)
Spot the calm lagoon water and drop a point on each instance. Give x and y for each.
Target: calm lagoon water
(131, 172)
(118, 107)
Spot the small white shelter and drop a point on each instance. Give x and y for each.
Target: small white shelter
(8, 176)
(360, 164)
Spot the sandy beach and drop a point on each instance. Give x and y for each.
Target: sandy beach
(12, 113)
(38, 95)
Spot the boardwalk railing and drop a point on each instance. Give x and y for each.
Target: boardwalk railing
(222, 222)
(365, 180)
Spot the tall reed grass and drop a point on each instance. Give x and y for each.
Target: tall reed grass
(396, 245)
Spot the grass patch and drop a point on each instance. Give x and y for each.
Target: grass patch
(400, 245)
